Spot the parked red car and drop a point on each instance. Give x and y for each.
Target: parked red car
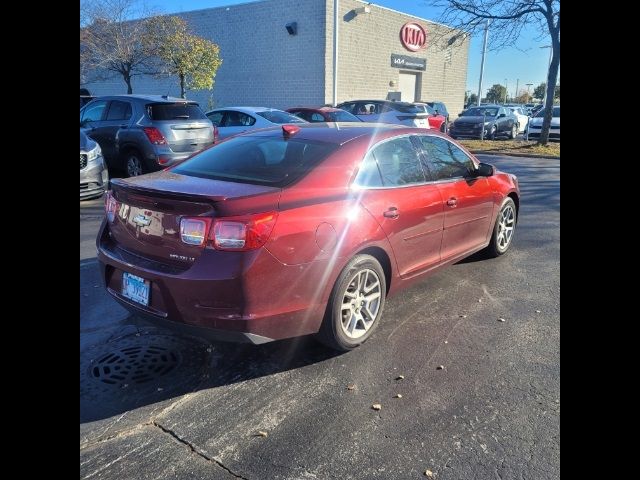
(436, 120)
(323, 114)
(299, 230)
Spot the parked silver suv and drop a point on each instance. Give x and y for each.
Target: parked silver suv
(144, 133)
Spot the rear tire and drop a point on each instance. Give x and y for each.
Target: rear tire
(503, 229)
(134, 164)
(355, 305)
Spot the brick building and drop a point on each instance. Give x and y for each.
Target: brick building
(279, 53)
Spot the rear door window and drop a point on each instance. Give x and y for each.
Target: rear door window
(237, 119)
(275, 116)
(258, 160)
(119, 110)
(176, 111)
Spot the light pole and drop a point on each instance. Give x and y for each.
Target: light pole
(336, 6)
(517, 83)
(544, 100)
(484, 52)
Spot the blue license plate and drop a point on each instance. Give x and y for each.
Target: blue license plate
(135, 288)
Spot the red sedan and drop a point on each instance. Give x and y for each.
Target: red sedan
(300, 229)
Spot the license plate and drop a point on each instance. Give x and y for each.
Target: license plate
(422, 123)
(135, 288)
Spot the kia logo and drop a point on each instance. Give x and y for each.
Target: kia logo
(413, 36)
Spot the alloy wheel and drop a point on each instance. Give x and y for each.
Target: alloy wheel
(134, 166)
(506, 226)
(361, 303)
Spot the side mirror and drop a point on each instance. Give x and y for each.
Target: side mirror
(502, 115)
(484, 170)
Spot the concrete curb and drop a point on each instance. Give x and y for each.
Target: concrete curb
(526, 155)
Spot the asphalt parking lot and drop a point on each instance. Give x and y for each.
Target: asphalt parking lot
(176, 407)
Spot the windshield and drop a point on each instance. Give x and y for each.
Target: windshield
(480, 111)
(556, 112)
(271, 161)
(280, 117)
(342, 116)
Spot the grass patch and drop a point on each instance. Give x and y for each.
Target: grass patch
(513, 146)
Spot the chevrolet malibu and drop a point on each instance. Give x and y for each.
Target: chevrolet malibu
(299, 229)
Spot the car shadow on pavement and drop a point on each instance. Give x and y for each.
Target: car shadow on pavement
(140, 366)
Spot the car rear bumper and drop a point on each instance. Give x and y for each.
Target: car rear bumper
(229, 296)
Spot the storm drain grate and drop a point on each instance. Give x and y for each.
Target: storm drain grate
(140, 368)
(139, 364)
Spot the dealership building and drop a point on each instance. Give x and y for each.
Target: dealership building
(280, 54)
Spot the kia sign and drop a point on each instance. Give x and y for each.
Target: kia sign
(413, 36)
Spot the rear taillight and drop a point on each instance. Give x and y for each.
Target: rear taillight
(110, 206)
(237, 234)
(193, 231)
(154, 136)
(242, 233)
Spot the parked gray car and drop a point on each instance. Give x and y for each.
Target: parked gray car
(145, 133)
(94, 177)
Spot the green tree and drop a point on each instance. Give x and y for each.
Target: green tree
(473, 99)
(496, 93)
(523, 97)
(194, 60)
(538, 92)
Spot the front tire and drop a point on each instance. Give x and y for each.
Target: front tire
(504, 229)
(514, 131)
(355, 305)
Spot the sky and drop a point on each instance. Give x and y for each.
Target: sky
(526, 63)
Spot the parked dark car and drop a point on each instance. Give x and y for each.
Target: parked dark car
(145, 133)
(299, 229)
(489, 121)
(439, 108)
(94, 177)
(323, 114)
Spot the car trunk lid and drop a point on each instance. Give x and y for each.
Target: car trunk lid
(149, 209)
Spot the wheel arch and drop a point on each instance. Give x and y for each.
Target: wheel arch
(382, 257)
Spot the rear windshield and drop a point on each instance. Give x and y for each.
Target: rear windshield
(342, 116)
(556, 112)
(405, 107)
(279, 117)
(176, 111)
(271, 161)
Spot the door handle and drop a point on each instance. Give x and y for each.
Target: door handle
(391, 213)
(452, 202)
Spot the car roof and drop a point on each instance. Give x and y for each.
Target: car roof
(148, 98)
(377, 101)
(318, 109)
(342, 132)
(247, 109)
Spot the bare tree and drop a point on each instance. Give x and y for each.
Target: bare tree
(508, 18)
(112, 41)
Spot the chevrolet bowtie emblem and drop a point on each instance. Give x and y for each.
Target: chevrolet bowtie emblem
(142, 220)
